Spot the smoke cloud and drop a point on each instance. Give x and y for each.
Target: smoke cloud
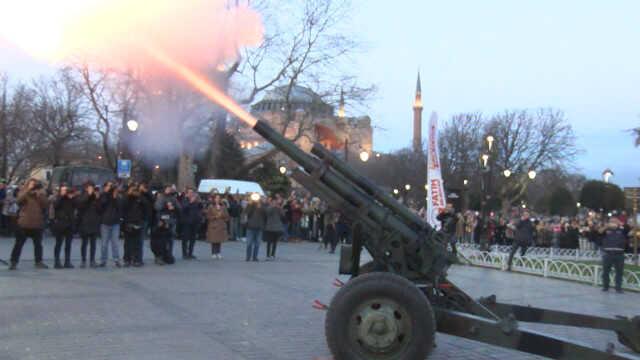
(115, 33)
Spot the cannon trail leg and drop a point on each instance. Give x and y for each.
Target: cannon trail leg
(505, 333)
(628, 330)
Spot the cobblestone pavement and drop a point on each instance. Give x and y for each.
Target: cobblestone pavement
(229, 309)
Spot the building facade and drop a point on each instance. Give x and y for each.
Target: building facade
(306, 119)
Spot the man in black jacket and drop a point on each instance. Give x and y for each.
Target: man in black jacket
(524, 232)
(135, 210)
(89, 222)
(613, 245)
(191, 216)
(63, 217)
(448, 221)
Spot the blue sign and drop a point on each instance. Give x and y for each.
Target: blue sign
(124, 169)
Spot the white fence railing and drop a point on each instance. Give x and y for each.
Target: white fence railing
(550, 253)
(546, 267)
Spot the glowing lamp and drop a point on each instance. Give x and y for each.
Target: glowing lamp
(132, 125)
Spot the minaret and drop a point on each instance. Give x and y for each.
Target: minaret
(417, 118)
(341, 106)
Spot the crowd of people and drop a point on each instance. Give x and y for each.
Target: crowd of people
(584, 231)
(611, 234)
(112, 211)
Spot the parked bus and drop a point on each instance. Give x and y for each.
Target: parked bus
(76, 175)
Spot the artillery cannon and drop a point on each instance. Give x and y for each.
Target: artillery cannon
(392, 306)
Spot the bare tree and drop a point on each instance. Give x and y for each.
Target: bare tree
(57, 114)
(460, 147)
(112, 96)
(313, 52)
(526, 141)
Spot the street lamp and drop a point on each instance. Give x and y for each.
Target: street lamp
(364, 156)
(407, 187)
(395, 191)
(157, 167)
(532, 174)
(465, 182)
(607, 174)
(426, 187)
(283, 170)
(507, 173)
(490, 140)
(132, 125)
(579, 205)
(378, 155)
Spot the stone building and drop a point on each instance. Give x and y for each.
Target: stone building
(313, 121)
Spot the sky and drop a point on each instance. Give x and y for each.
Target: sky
(581, 57)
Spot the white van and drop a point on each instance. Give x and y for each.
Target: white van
(222, 186)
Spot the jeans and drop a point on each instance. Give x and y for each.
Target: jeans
(188, 239)
(234, 227)
(89, 239)
(21, 237)
(109, 234)
(65, 236)
(615, 260)
(254, 236)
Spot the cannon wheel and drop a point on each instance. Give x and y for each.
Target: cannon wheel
(380, 316)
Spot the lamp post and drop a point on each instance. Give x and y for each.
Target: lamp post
(607, 174)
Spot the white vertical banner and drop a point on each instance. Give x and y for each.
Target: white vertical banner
(436, 199)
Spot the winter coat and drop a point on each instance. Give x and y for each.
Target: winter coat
(255, 217)
(135, 210)
(191, 213)
(216, 224)
(32, 206)
(110, 209)
(448, 221)
(88, 214)
(614, 241)
(274, 216)
(524, 232)
(64, 214)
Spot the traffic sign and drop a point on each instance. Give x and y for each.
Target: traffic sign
(124, 169)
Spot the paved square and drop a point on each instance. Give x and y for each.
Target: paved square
(230, 309)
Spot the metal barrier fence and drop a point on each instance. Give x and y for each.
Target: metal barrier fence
(547, 267)
(549, 253)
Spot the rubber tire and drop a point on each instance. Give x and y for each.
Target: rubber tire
(380, 284)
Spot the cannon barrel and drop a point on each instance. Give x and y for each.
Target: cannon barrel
(403, 248)
(369, 187)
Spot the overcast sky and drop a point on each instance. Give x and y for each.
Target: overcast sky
(580, 56)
